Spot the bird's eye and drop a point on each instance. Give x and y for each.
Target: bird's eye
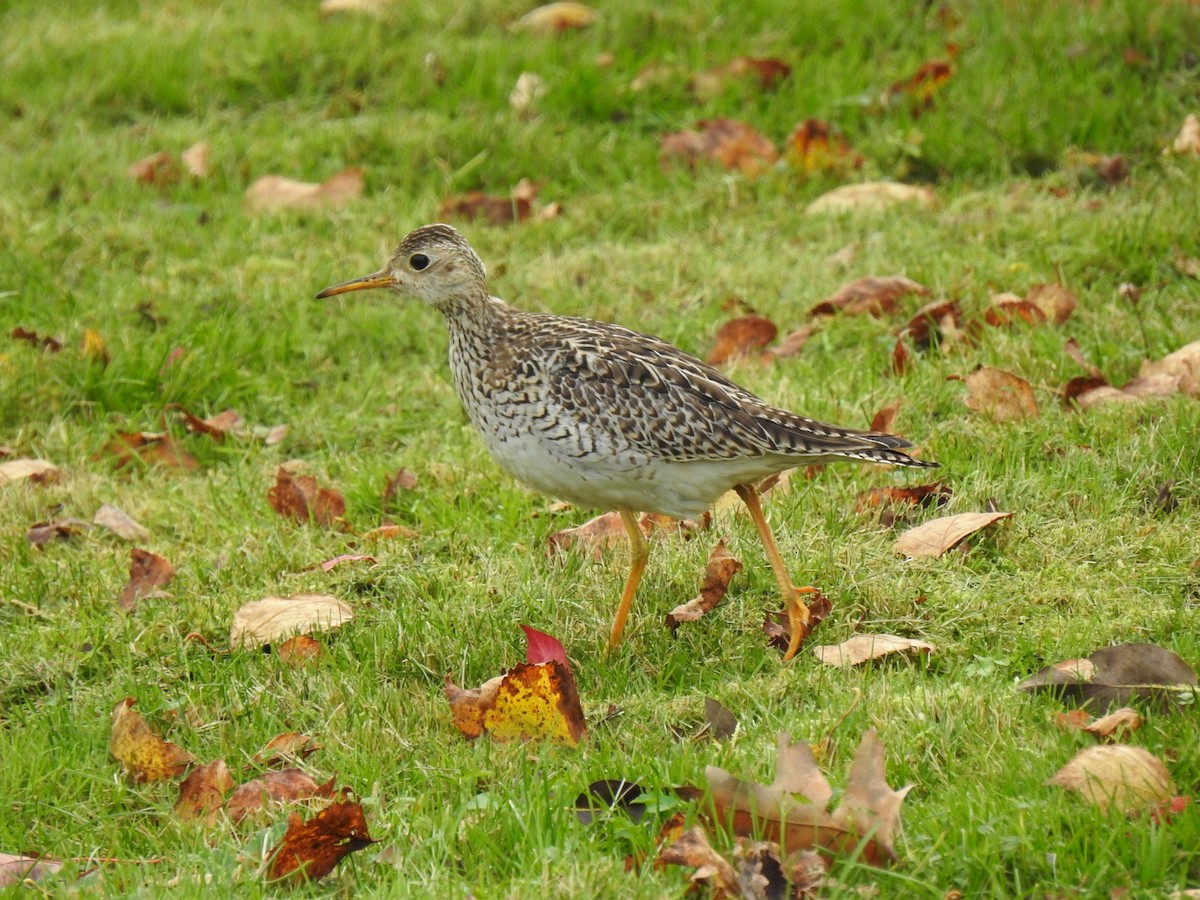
(418, 261)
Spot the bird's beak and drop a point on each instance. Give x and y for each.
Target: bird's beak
(381, 279)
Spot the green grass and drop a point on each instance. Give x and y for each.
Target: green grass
(1086, 561)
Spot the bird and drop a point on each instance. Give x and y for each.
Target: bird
(608, 418)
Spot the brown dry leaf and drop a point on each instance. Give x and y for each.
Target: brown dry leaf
(1183, 365)
(216, 427)
(24, 870)
(35, 340)
(866, 818)
(1115, 676)
(863, 647)
(1054, 301)
(741, 337)
(119, 523)
(606, 530)
(147, 573)
(1073, 351)
(732, 144)
(290, 746)
(870, 197)
(555, 18)
(156, 448)
(195, 159)
(872, 295)
(1129, 778)
(143, 755)
(403, 480)
(390, 532)
(35, 471)
(157, 168)
(1000, 395)
(792, 343)
(938, 322)
(1074, 720)
(935, 537)
(202, 793)
(298, 497)
(721, 567)
(776, 625)
(274, 787)
(528, 702)
(693, 849)
(476, 205)
(299, 651)
(1122, 721)
(812, 148)
(886, 417)
(274, 192)
(330, 564)
(922, 85)
(59, 530)
(310, 850)
(936, 493)
(766, 73)
(1007, 309)
(268, 620)
(1188, 139)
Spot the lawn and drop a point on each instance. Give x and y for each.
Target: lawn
(175, 292)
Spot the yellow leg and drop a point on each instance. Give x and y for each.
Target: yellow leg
(798, 615)
(639, 552)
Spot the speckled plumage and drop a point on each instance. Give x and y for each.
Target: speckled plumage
(601, 415)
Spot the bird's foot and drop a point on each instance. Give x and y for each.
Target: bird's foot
(800, 619)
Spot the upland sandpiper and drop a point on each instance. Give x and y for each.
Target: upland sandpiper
(608, 418)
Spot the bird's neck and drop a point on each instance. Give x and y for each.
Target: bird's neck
(476, 318)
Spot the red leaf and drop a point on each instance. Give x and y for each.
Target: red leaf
(541, 647)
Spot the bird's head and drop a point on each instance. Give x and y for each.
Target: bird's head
(434, 264)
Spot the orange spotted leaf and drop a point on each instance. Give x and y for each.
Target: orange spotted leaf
(528, 702)
(310, 850)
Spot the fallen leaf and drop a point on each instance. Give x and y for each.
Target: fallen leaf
(202, 793)
(863, 647)
(274, 192)
(872, 295)
(741, 337)
(157, 168)
(935, 323)
(776, 625)
(59, 530)
(1128, 778)
(555, 18)
(865, 819)
(606, 530)
(143, 755)
(215, 427)
(763, 875)
(541, 647)
(195, 159)
(478, 206)
(267, 620)
(718, 572)
(119, 523)
(888, 498)
(693, 849)
(766, 73)
(274, 787)
(1115, 676)
(1009, 308)
(147, 573)
(22, 870)
(935, 537)
(152, 448)
(813, 148)
(300, 651)
(605, 796)
(528, 702)
(1188, 139)
(35, 340)
(1107, 728)
(35, 471)
(94, 347)
(1001, 395)
(390, 532)
(870, 197)
(719, 722)
(529, 89)
(290, 746)
(884, 419)
(1183, 365)
(1054, 301)
(330, 564)
(1079, 391)
(1073, 720)
(400, 482)
(298, 497)
(922, 85)
(1073, 351)
(793, 342)
(310, 850)
(732, 144)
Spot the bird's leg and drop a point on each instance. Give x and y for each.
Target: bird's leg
(639, 552)
(797, 610)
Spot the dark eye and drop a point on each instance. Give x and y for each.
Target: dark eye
(418, 261)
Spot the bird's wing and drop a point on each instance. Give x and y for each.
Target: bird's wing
(673, 406)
